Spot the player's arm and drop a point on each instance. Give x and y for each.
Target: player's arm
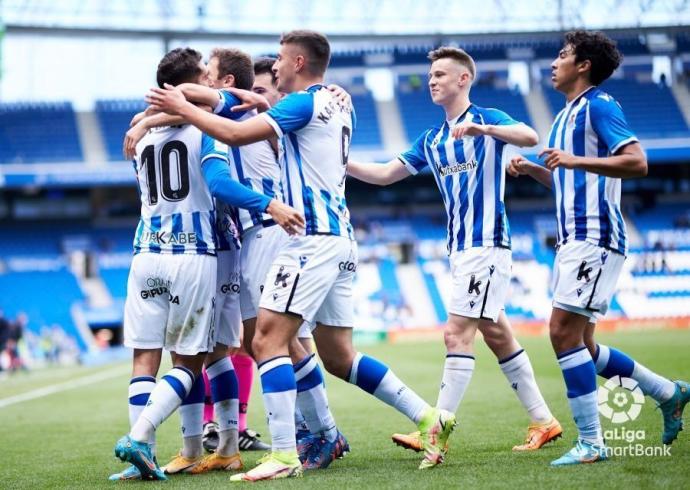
(155, 120)
(248, 100)
(629, 162)
(223, 187)
(519, 165)
(518, 134)
(172, 101)
(378, 173)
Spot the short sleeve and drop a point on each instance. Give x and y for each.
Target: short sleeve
(225, 104)
(609, 123)
(496, 117)
(415, 158)
(292, 113)
(211, 148)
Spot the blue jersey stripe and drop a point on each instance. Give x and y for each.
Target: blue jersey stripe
(498, 202)
(176, 230)
(307, 194)
(448, 184)
(201, 246)
(478, 197)
(580, 178)
(604, 218)
(137, 236)
(155, 228)
(333, 223)
(267, 187)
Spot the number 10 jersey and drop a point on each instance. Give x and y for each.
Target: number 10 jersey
(177, 210)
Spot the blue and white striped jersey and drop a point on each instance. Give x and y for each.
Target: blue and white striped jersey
(254, 166)
(587, 204)
(178, 215)
(316, 130)
(470, 175)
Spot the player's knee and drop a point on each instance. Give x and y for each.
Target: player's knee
(560, 334)
(458, 339)
(337, 366)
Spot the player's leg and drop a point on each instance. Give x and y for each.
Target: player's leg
(145, 320)
(671, 396)
(305, 340)
(517, 368)
(583, 285)
(145, 365)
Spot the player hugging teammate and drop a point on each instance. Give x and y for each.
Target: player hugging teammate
(287, 166)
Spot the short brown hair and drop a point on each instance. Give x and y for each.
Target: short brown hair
(315, 44)
(265, 65)
(459, 55)
(236, 63)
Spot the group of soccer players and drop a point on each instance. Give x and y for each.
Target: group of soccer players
(258, 233)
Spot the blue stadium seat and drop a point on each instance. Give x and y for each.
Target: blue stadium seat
(45, 296)
(367, 133)
(38, 132)
(114, 117)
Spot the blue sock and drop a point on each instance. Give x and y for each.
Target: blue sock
(192, 410)
(581, 382)
(279, 393)
(375, 378)
(312, 400)
(224, 393)
(611, 362)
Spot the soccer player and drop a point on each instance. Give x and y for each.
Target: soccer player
(466, 154)
(590, 150)
(171, 287)
(311, 278)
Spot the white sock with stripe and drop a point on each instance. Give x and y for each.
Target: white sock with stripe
(518, 370)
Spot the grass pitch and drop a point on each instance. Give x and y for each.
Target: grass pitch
(65, 440)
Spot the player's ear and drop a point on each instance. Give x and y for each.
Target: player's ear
(584, 66)
(229, 80)
(300, 62)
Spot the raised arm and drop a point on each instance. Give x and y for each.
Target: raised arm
(199, 94)
(378, 173)
(515, 134)
(628, 162)
(172, 101)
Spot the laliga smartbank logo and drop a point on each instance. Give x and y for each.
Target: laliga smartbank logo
(620, 400)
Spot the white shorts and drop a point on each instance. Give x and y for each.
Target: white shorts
(228, 320)
(584, 278)
(260, 246)
(481, 276)
(312, 277)
(170, 303)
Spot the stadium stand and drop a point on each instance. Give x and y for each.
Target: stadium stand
(38, 132)
(114, 117)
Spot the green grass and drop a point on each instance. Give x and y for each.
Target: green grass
(65, 440)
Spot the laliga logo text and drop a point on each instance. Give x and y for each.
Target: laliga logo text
(620, 400)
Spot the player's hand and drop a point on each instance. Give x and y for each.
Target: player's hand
(287, 217)
(518, 166)
(467, 128)
(132, 137)
(250, 100)
(169, 99)
(557, 158)
(341, 95)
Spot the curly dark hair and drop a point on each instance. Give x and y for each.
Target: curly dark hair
(598, 49)
(178, 66)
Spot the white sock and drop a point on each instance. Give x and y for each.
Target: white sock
(374, 377)
(279, 393)
(457, 373)
(652, 384)
(518, 370)
(192, 419)
(300, 421)
(140, 389)
(226, 405)
(312, 400)
(165, 398)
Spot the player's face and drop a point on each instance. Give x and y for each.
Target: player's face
(564, 70)
(446, 80)
(286, 67)
(263, 85)
(214, 78)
